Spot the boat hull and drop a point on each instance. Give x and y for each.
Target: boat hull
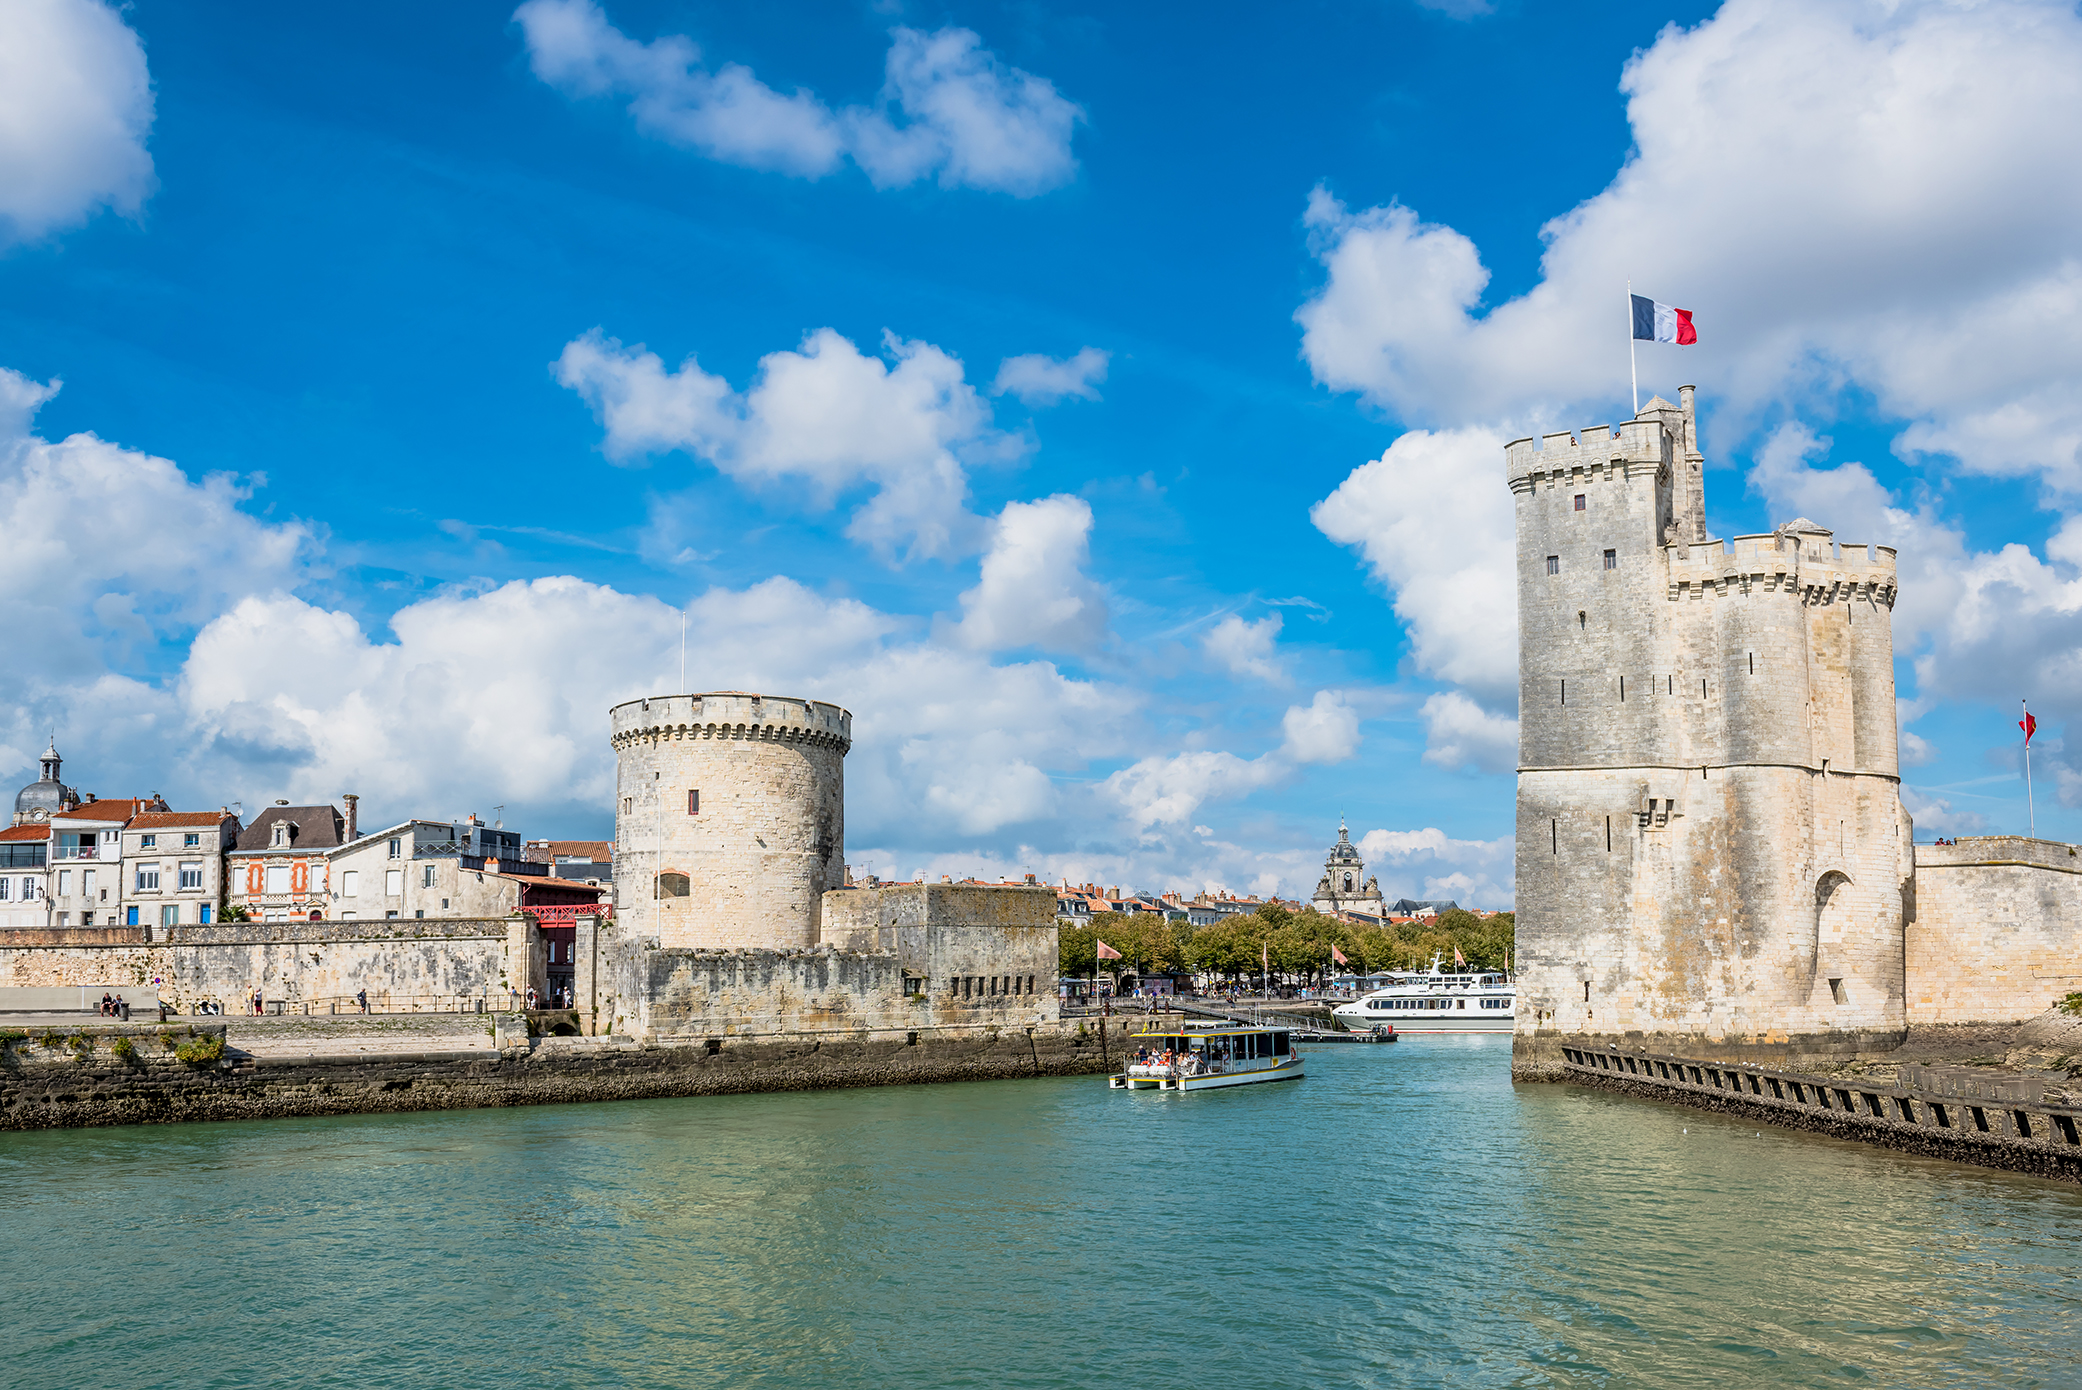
(1289, 1069)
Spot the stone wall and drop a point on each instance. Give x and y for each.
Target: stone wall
(1995, 933)
(965, 946)
(43, 1089)
(401, 963)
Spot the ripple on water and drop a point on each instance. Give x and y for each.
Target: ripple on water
(1404, 1216)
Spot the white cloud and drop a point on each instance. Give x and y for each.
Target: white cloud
(949, 108)
(1168, 790)
(826, 415)
(1934, 815)
(1461, 734)
(1326, 730)
(1247, 649)
(1433, 519)
(75, 108)
(1039, 380)
(1430, 866)
(1033, 590)
(1852, 192)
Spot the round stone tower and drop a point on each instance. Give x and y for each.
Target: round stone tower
(730, 818)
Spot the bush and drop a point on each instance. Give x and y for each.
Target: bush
(52, 1040)
(81, 1043)
(167, 1041)
(204, 1051)
(125, 1050)
(2071, 1005)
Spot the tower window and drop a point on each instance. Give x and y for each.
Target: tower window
(672, 885)
(1554, 564)
(693, 802)
(1611, 559)
(1579, 501)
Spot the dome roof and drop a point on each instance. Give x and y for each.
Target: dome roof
(1344, 851)
(42, 800)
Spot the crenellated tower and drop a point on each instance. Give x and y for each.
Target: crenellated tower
(1712, 849)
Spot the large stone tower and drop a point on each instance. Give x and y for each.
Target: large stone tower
(1712, 850)
(730, 818)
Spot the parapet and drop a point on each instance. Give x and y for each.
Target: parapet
(1599, 446)
(732, 714)
(1985, 851)
(1811, 564)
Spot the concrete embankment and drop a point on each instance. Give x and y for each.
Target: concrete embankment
(114, 1074)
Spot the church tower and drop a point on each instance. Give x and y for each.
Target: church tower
(1345, 886)
(1711, 847)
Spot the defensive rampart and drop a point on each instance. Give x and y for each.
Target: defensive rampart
(1995, 929)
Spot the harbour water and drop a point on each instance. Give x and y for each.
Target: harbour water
(1404, 1216)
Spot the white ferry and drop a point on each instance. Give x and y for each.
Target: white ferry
(1207, 1058)
(1435, 1001)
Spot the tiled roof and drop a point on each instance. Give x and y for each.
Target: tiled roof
(317, 827)
(103, 810)
(26, 832)
(581, 849)
(173, 820)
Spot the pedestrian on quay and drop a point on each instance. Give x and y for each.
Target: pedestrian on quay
(258, 1004)
(531, 996)
(361, 997)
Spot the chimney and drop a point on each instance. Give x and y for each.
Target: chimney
(353, 805)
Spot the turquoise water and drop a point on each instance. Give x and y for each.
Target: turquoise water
(1402, 1217)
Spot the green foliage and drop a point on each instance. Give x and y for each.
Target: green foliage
(125, 1050)
(237, 912)
(202, 1051)
(52, 1040)
(167, 1041)
(1298, 944)
(81, 1044)
(11, 1036)
(1145, 940)
(2071, 1005)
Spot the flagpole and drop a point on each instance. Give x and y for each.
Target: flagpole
(1633, 361)
(2030, 809)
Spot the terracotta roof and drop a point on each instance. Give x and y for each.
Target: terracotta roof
(171, 820)
(103, 810)
(26, 832)
(586, 849)
(561, 885)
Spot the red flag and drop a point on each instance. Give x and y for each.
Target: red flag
(2030, 727)
(1107, 952)
(1459, 959)
(1338, 956)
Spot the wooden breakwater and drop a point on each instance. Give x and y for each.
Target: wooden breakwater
(117, 1074)
(1941, 1112)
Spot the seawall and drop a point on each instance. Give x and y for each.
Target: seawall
(70, 1087)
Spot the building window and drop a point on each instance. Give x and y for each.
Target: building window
(1579, 502)
(393, 884)
(392, 913)
(191, 875)
(693, 802)
(628, 805)
(394, 852)
(276, 880)
(64, 883)
(420, 913)
(1554, 564)
(86, 919)
(671, 885)
(7, 887)
(1611, 559)
(350, 883)
(444, 904)
(191, 841)
(205, 914)
(281, 833)
(148, 878)
(148, 842)
(426, 875)
(170, 915)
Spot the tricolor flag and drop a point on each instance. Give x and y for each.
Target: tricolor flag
(1459, 959)
(1338, 956)
(1659, 323)
(2030, 725)
(1107, 952)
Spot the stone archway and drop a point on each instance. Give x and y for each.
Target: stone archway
(1833, 894)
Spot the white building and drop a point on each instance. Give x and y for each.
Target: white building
(172, 868)
(25, 876)
(86, 861)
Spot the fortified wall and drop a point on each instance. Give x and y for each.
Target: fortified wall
(1995, 930)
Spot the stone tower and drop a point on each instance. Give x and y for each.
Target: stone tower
(730, 818)
(1712, 850)
(1345, 886)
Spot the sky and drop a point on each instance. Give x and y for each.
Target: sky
(1104, 404)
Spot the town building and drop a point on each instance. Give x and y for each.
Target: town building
(578, 859)
(86, 860)
(1345, 885)
(47, 796)
(172, 868)
(276, 871)
(25, 875)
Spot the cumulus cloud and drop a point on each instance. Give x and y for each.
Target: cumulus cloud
(1326, 730)
(1848, 193)
(1430, 866)
(1166, 790)
(1039, 380)
(949, 109)
(75, 109)
(1033, 590)
(826, 415)
(1461, 734)
(1433, 520)
(1247, 649)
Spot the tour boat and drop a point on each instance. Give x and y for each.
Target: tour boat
(1204, 1058)
(1436, 1001)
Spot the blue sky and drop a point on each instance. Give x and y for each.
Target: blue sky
(1103, 405)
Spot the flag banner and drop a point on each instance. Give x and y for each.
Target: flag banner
(2029, 724)
(1659, 323)
(1107, 952)
(1338, 956)
(1459, 959)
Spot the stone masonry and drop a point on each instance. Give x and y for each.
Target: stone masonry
(1710, 838)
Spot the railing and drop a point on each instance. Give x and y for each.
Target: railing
(2006, 1115)
(326, 1006)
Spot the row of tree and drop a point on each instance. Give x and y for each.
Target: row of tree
(1296, 944)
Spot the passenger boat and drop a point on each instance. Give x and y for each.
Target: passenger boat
(1436, 1001)
(1203, 1059)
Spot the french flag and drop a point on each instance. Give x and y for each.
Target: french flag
(1659, 323)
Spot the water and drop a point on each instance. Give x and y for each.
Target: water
(1402, 1217)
